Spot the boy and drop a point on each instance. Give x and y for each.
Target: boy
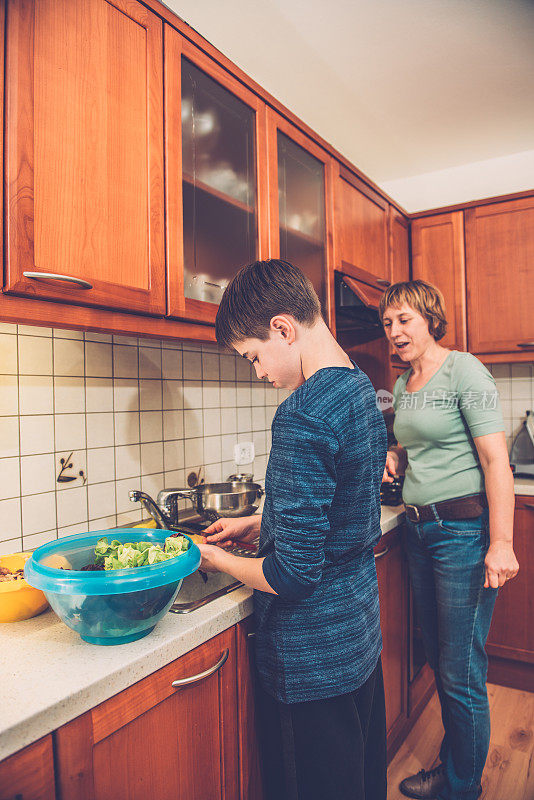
(320, 693)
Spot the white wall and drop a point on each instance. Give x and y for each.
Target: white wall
(481, 179)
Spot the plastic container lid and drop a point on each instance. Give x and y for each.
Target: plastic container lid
(44, 569)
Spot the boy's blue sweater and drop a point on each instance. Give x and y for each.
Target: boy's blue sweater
(320, 636)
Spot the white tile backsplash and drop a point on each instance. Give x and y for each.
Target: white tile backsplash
(9, 478)
(151, 423)
(8, 354)
(98, 360)
(70, 431)
(515, 383)
(36, 393)
(39, 512)
(100, 431)
(71, 507)
(69, 395)
(133, 413)
(37, 474)
(9, 395)
(99, 394)
(69, 358)
(36, 434)
(100, 465)
(35, 355)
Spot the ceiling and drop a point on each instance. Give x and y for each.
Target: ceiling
(400, 87)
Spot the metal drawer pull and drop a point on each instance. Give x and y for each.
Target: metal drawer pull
(529, 505)
(525, 344)
(252, 635)
(382, 553)
(53, 276)
(202, 675)
(383, 282)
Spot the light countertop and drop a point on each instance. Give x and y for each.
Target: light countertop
(524, 486)
(50, 676)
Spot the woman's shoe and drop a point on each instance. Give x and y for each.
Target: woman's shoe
(425, 785)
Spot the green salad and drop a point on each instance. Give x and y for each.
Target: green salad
(116, 555)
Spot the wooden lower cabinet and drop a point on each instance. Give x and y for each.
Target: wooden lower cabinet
(392, 586)
(250, 787)
(510, 644)
(156, 740)
(29, 774)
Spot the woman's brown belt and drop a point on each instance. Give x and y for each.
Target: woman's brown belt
(456, 508)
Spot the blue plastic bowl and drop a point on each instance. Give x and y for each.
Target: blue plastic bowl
(113, 606)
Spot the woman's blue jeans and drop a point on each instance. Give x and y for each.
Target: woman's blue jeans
(446, 563)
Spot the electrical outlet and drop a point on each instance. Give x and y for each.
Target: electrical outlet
(244, 453)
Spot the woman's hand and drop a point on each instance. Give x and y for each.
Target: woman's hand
(390, 470)
(227, 530)
(500, 564)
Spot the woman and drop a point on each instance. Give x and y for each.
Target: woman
(459, 497)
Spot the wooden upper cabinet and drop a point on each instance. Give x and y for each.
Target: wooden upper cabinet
(301, 205)
(362, 230)
(500, 287)
(84, 153)
(216, 179)
(438, 257)
(399, 246)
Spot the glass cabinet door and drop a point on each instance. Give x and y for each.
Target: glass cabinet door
(301, 181)
(219, 185)
(212, 179)
(301, 211)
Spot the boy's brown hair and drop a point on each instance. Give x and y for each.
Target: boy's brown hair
(258, 293)
(422, 297)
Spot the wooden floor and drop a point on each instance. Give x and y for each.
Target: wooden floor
(509, 772)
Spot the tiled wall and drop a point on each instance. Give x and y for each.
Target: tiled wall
(515, 383)
(134, 413)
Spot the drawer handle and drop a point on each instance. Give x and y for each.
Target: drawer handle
(53, 276)
(525, 344)
(202, 675)
(529, 505)
(383, 282)
(382, 553)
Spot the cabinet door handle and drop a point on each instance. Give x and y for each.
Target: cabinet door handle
(529, 505)
(53, 276)
(525, 344)
(383, 282)
(202, 675)
(382, 553)
(252, 635)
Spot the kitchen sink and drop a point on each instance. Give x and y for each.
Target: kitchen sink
(200, 588)
(195, 592)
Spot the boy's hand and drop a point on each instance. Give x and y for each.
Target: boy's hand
(211, 558)
(227, 530)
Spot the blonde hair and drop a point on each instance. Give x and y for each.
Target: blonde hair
(422, 297)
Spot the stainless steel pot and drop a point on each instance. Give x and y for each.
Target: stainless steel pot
(214, 500)
(210, 500)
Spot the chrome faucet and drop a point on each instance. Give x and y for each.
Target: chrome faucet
(162, 520)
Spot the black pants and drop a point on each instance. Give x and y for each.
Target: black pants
(332, 749)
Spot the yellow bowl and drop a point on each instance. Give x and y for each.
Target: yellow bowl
(19, 600)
